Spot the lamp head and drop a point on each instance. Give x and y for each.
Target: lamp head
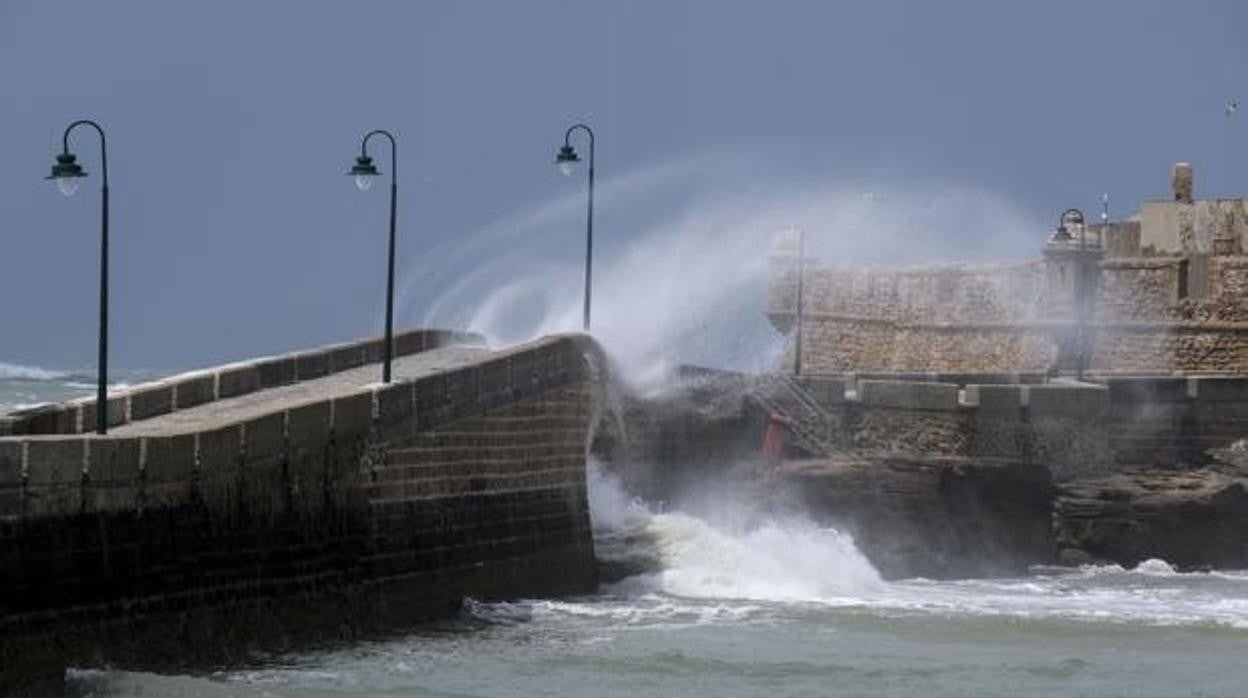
(66, 173)
(364, 172)
(567, 160)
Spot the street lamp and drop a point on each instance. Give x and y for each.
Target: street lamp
(1073, 217)
(66, 173)
(364, 172)
(567, 160)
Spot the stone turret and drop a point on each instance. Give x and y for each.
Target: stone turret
(1181, 182)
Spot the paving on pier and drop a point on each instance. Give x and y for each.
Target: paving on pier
(260, 403)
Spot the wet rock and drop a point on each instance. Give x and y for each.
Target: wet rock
(933, 517)
(1193, 519)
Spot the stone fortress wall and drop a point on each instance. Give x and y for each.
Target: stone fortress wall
(322, 520)
(1168, 291)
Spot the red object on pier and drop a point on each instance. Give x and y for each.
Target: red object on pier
(776, 436)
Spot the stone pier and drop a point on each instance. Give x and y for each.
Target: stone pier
(293, 499)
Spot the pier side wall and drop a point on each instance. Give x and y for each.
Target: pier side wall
(324, 520)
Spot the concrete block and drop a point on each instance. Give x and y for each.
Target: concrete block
(353, 415)
(238, 379)
(411, 342)
(907, 395)
(218, 451)
(396, 410)
(345, 356)
(169, 459)
(1221, 389)
(1127, 390)
(150, 400)
(371, 350)
(113, 475)
(462, 392)
(9, 426)
(86, 414)
(265, 436)
(494, 382)
(1067, 401)
(194, 389)
(311, 364)
(276, 370)
(432, 401)
(55, 460)
(12, 462)
(308, 425)
(44, 419)
(113, 460)
(1002, 401)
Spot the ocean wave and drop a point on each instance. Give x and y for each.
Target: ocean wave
(33, 373)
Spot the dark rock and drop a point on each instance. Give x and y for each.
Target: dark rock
(933, 517)
(1191, 519)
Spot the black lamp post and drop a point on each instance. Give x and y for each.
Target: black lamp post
(66, 173)
(364, 171)
(567, 159)
(1074, 217)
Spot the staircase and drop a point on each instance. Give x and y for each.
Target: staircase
(810, 425)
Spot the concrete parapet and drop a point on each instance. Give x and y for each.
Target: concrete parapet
(238, 379)
(276, 370)
(1003, 401)
(1081, 401)
(194, 389)
(908, 395)
(311, 364)
(149, 400)
(1136, 390)
(85, 414)
(1221, 388)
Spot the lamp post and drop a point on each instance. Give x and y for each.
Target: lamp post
(800, 302)
(364, 171)
(66, 172)
(567, 159)
(1074, 217)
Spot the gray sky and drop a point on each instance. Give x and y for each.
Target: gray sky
(231, 124)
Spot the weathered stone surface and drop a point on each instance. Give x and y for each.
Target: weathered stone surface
(935, 518)
(1191, 519)
(11, 462)
(277, 370)
(149, 401)
(239, 379)
(311, 364)
(194, 389)
(86, 414)
(908, 395)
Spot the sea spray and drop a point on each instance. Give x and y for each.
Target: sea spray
(681, 268)
(742, 551)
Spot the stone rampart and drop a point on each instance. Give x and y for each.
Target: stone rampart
(321, 520)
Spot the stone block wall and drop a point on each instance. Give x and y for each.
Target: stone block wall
(1151, 313)
(320, 520)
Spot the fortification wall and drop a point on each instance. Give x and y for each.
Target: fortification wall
(322, 520)
(1149, 314)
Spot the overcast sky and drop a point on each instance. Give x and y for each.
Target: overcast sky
(232, 122)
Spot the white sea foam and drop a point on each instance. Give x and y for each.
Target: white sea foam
(724, 561)
(33, 373)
